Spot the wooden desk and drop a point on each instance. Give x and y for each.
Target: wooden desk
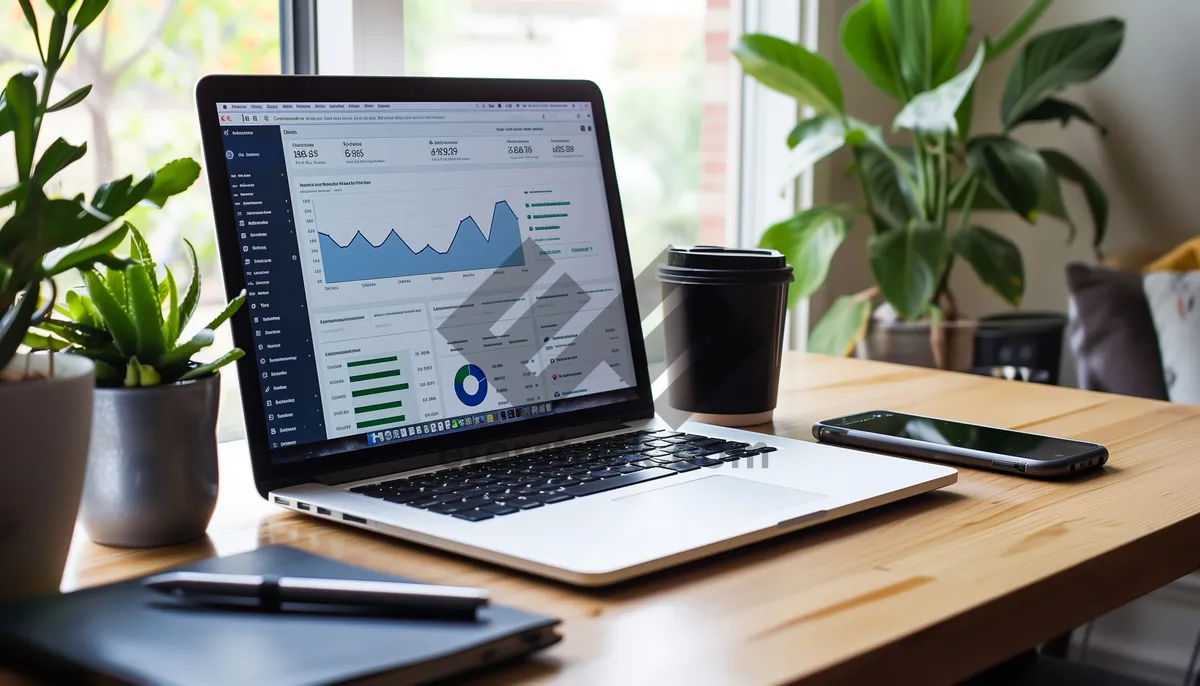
(929, 590)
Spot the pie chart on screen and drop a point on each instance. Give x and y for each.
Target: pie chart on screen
(470, 385)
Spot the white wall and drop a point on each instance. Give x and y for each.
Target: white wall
(1149, 162)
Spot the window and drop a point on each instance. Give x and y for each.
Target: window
(144, 58)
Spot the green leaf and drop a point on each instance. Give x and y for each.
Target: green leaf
(31, 19)
(867, 40)
(114, 199)
(173, 178)
(212, 367)
(841, 327)
(114, 279)
(1010, 170)
(192, 297)
(181, 354)
(813, 140)
(1057, 59)
(172, 324)
(908, 265)
(1051, 204)
(1017, 29)
(1061, 110)
(13, 193)
(791, 70)
(85, 257)
(60, 6)
(147, 315)
(965, 114)
(81, 309)
(78, 334)
(228, 311)
(809, 241)
(88, 12)
(892, 200)
(951, 25)
(20, 97)
(139, 375)
(57, 157)
(113, 313)
(14, 324)
(912, 29)
(73, 98)
(996, 260)
(139, 250)
(1066, 167)
(40, 342)
(935, 111)
(50, 225)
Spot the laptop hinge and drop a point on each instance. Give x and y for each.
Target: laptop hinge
(420, 461)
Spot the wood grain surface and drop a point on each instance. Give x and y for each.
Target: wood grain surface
(929, 590)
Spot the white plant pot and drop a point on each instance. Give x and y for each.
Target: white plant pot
(45, 426)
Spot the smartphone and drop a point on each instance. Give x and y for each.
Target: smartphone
(970, 445)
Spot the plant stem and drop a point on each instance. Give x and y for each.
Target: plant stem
(862, 184)
(943, 181)
(965, 213)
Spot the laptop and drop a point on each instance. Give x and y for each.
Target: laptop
(443, 334)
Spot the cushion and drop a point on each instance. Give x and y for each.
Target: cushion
(1174, 299)
(1185, 258)
(1112, 333)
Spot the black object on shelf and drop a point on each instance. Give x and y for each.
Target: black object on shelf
(1032, 340)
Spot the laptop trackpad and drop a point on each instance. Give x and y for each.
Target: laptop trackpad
(713, 498)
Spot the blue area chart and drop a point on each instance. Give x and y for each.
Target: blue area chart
(393, 258)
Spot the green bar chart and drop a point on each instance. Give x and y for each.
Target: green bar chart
(379, 388)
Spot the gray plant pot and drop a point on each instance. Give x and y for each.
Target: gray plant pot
(908, 343)
(44, 429)
(152, 471)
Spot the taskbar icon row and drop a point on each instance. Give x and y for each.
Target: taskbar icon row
(463, 423)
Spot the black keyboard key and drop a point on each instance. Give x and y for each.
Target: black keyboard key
(682, 466)
(523, 503)
(666, 434)
(551, 498)
(474, 515)
(604, 473)
(498, 509)
(402, 498)
(767, 449)
(448, 508)
(649, 463)
(627, 469)
(726, 446)
(425, 503)
(617, 482)
(706, 442)
(655, 453)
(706, 462)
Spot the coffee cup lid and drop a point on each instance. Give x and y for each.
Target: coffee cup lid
(716, 263)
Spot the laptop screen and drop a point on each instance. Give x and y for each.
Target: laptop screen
(421, 268)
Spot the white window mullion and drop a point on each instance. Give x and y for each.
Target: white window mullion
(363, 37)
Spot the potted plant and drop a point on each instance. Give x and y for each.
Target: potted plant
(152, 472)
(46, 399)
(919, 199)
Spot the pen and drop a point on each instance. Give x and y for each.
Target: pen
(270, 591)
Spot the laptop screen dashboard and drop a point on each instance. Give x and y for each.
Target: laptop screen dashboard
(420, 269)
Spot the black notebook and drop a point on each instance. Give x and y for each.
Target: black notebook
(131, 634)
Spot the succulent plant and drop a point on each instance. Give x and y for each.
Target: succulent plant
(131, 323)
(44, 236)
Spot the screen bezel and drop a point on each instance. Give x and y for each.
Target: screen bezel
(316, 458)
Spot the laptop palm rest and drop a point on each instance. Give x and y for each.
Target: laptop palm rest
(712, 499)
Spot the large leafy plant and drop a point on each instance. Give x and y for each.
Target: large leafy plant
(919, 199)
(46, 236)
(131, 323)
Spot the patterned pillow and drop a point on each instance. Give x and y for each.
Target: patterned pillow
(1174, 299)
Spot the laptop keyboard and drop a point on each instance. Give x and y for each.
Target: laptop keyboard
(524, 482)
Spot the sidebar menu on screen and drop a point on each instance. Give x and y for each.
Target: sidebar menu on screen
(282, 347)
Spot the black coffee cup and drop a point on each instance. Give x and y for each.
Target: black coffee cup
(724, 315)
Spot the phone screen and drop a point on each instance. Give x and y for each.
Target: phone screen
(982, 438)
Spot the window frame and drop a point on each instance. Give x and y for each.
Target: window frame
(360, 37)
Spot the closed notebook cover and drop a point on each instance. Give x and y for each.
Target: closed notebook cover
(131, 633)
